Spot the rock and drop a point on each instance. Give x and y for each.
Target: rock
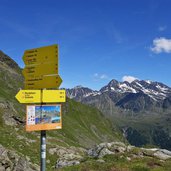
(62, 163)
(103, 149)
(167, 152)
(103, 152)
(94, 152)
(128, 158)
(4, 105)
(100, 161)
(60, 151)
(11, 161)
(8, 169)
(68, 156)
(21, 165)
(129, 148)
(162, 154)
(2, 168)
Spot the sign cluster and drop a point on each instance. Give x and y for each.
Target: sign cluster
(41, 82)
(41, 70)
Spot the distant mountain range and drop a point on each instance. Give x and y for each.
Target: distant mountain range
(141, 109)
(139, 95)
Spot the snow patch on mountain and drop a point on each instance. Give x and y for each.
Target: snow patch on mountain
(126, 88)
(148, 81)
(112, 88)
(163, 89)
(93, 93)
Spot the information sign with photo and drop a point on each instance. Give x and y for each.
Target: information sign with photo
(43, 117)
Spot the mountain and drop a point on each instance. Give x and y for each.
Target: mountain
(139, 95)
(83, 126)
(141, 109)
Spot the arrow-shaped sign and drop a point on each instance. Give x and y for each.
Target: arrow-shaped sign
(36, 96)
(33, 71)
(41, 55)
(29, 96)
(51, 81)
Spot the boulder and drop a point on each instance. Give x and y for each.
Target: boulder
(103, 149)
(62, 163)
(163, 154)
(11, 161)
(67, 156)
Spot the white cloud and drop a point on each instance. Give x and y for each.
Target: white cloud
(162, 28)
(103, 76)
(161, 45)
(129, 78)
(97, 76)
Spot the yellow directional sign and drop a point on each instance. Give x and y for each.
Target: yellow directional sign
(51, 81)
(45, 54)
(36, 96)
(33, 71)
(29, 96)
(51, 96)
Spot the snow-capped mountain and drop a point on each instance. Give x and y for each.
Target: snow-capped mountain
(155, 90)
(79, 92)
(137, 95)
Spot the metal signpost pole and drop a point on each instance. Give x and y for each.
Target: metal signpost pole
(42, 141)
(43, 151)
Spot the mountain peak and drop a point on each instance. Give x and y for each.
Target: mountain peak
(148, 81)
(79, 86)
(113, 82)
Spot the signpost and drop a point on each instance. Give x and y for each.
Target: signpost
(38, 96)
(50, 96)
(40, 73)
(48, 81)
(47, 54)
(33, 71)
(29, 96)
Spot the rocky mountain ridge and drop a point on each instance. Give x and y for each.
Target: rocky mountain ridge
(125, 95)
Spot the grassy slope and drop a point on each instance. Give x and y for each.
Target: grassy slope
(82, 125)
(154, 129)
(120, 163)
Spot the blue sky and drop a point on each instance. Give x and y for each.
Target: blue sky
(99, 40)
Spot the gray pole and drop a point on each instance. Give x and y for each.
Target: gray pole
(42, 141)
(43, 151)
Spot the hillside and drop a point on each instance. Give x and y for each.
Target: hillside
(141, 109)
(83, 126)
